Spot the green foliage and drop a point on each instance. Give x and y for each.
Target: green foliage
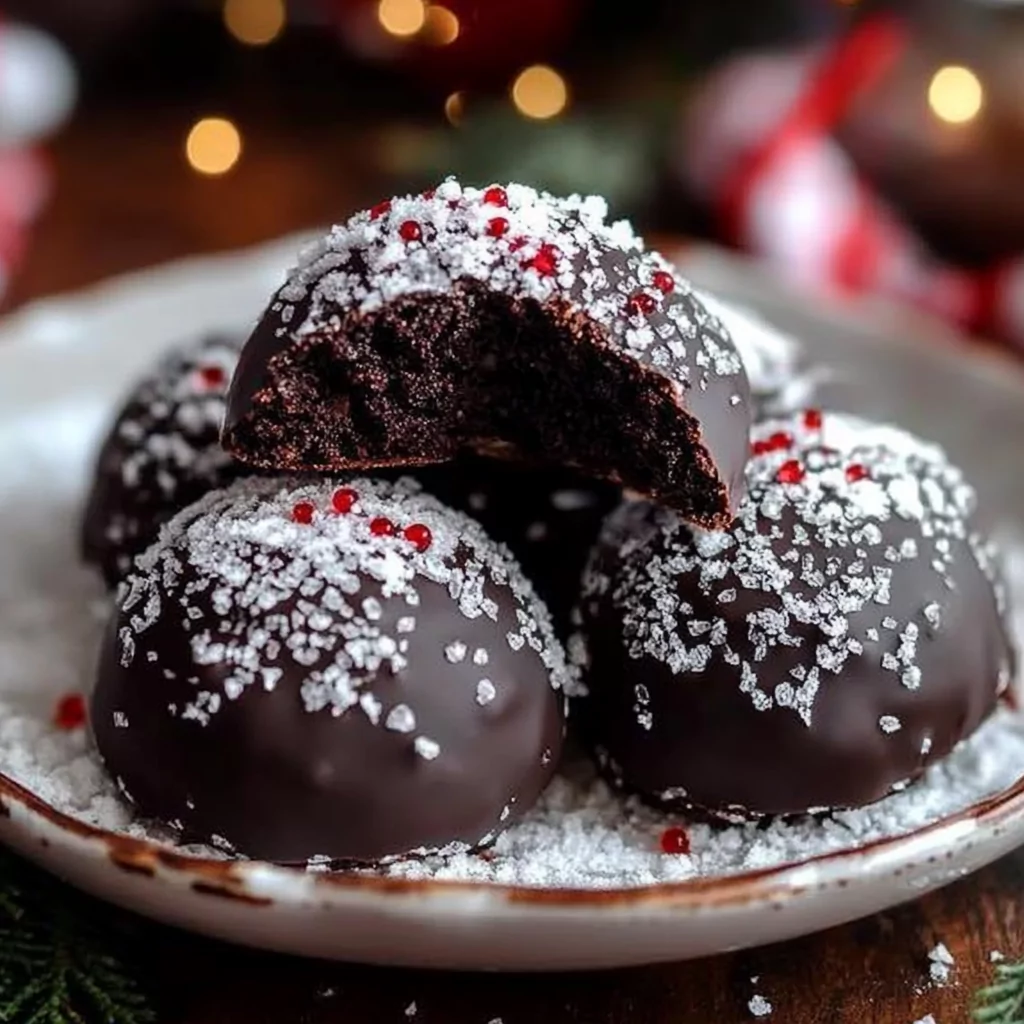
(1002, 1002)
(58, 963)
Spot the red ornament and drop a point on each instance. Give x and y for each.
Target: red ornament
(70, 712)
(383, 527)
(760, 448)
(303, 513)
(641, 303)
(780, 441)
(545, 262)
(495, 196)
(343, 500)
(410, 231)
(675, 840)
(790, 472)
(497, 226)
(663, 281)
(813, 419)
(380, 209)
(429, 194)
(419, 535)
(856, 472)
(212, 376)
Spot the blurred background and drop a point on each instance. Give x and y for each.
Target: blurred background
(854, 147)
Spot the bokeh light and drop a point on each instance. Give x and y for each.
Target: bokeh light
(455, 107)
(402, 17)
(213, 146)
(255, 22)
(540, 92)
(956, 95)
(440, 27)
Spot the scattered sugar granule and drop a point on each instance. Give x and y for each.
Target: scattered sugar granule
(929, 1019)
(427, 748)
(941, 965)
(996, 956)
(890, 724)
(410, 1010)
(759, 1006)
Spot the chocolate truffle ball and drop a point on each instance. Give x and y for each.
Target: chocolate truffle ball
(334, 671)
(505, 321)
(162, 453)
(844, 633)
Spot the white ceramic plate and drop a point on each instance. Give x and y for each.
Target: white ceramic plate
(63, 362)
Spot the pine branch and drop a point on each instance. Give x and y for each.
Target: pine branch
(1002, 1002)
(57, 964)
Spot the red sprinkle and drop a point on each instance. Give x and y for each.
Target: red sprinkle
(780, 441)
(303, 513)
(70, 712)
(430, 193)
(641, 303)
(410, 231)
(495, 196)
(383, 527)
(380, 209)
(545, 262)
(516, 244)
(675, 840)
(497, 226)
(790, 472)
(212, 376)
(663, 281)
(760, 448)
(856, 472)
(813, 419)
(419, 535)
(343, 500)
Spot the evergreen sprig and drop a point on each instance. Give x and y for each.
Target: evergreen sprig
(58, 964)
(1002, 1002)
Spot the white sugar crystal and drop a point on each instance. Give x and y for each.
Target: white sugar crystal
(926, 1019)
(890, 724)
(410, 1010)
(480, 656)
(427, 748)
(455, 651)
(940, 964)
(759, 1006)
(485, 692)
(400, 719)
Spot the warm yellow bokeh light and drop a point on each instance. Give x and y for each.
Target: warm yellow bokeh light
(254, 22)
(956, 95)
(454, 107)
(540, 92)
(401, 17)
(440, 27)
(213, 146)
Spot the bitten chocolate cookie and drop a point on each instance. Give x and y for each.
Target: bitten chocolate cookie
(843, 634)
(349, 672)
(162, 453)
(499, 320)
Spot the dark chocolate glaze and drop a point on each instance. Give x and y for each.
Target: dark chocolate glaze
(381, 352)
(289, 773)
(162, 453)
(709, 728)
(549, 517)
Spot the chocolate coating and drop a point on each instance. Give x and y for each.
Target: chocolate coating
(504, 321)
(549, 517)
(162, 453)
(843, 634)
(293, 689)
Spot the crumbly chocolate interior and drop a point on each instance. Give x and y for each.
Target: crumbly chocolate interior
(428, 375)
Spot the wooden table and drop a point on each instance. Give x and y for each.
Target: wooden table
(125, 198)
